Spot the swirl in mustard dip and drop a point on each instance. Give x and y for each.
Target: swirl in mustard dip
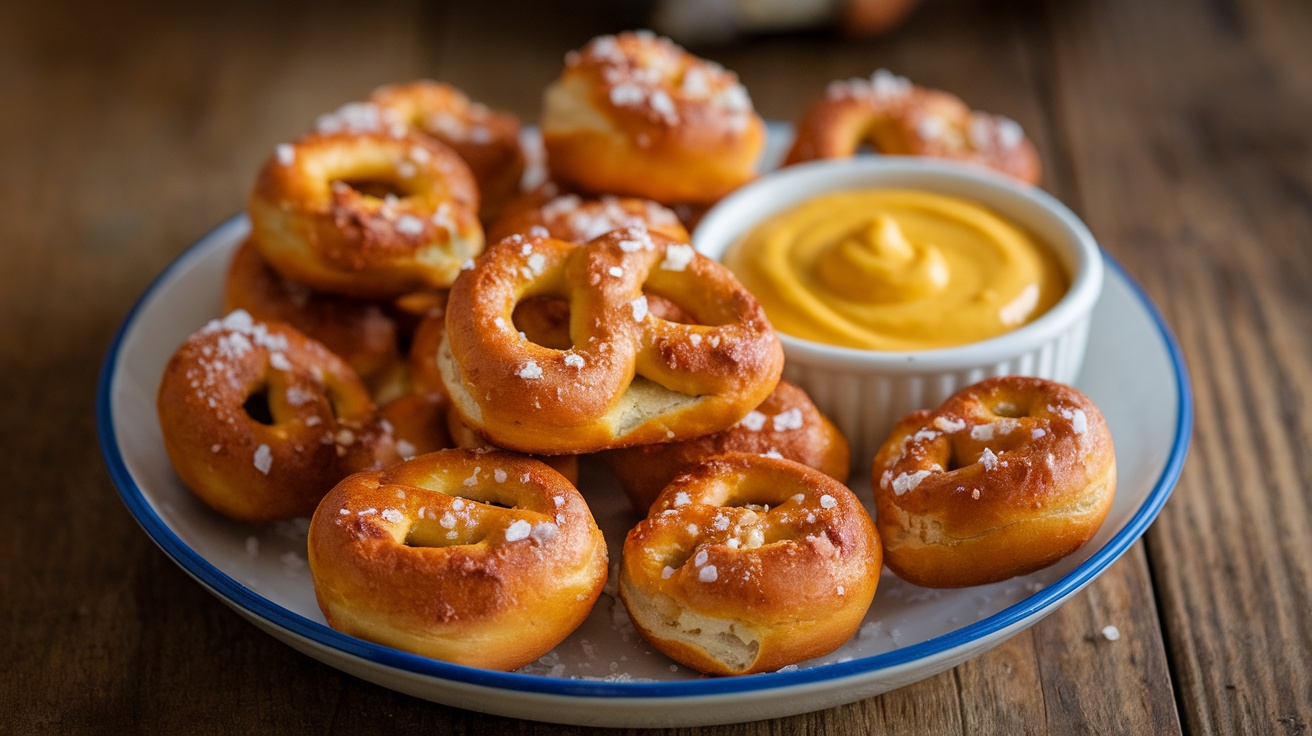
(889, 269)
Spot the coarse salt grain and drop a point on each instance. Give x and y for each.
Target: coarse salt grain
(924, 435)
(988, 459)
(1111, 633)
(518, 529)
(405, 449)
(639, 306)
(356, 117)
(677, 257)
(543, 532)
(708, 574)
(1010, 134)
(791, 419)
(574, 360)
(667, 572)
(530, 370)
(1080, 422)
(828, 502)
(285, 153)
(263, 459)
(754, 421)
(908, 481)
(392, 515)
(949, 425)
(408, 224)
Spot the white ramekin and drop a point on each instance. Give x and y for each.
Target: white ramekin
(865, 392)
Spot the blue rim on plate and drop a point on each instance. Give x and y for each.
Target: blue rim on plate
(243, 598)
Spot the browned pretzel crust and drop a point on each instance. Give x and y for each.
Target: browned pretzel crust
(629, 377)
(1006, 477)
(896, 117)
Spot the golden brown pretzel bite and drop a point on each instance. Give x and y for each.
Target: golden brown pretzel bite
(1006, 477)
(629, 377)
(486, 559)
(488, 140)
(787, 424)
(578, 219)
(366, 214)
(635, 115)
(260, 421)
(356, 330)
(896, 117)
(749, 563)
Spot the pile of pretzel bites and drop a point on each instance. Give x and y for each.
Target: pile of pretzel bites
(417, 350)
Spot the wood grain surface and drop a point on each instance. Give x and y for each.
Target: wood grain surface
(1180, 131)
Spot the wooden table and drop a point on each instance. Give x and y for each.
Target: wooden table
(1181, 132)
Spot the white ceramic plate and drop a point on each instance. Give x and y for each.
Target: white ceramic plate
(604, 674)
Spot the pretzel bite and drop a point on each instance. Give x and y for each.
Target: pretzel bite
(894, 116)
(1006, 477)
(366, 214)
(356, 330)
(636, 115)
(749, 563)
(487, 559)
(629, 377)
(578, 219)
(488, 140)
(785, 425)
(260, 421)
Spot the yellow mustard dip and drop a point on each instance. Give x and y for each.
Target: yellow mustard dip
(888, 269)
